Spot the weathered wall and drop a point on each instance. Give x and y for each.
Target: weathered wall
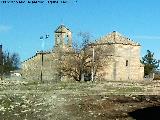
(105, 53)
(128, 66)
(32, 67)
(119, 56)
(114, 62)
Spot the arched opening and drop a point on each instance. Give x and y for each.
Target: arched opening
(66, 39)
(126, 63)
(58, 39)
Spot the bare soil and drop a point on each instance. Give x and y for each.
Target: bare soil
(114, 107)
(110, 100)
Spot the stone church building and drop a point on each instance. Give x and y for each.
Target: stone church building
(124, 54)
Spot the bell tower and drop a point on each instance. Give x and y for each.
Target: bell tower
(63, 37)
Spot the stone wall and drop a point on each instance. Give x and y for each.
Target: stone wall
(32, 67)
(52, 64)
(119, 57)
(128, 66)
(121, 62)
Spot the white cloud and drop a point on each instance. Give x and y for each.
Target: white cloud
(147, 37)
(4, 28)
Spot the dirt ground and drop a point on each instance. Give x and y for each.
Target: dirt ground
(120, 100)
(115, 108)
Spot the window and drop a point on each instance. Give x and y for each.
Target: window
(66, 39)
(126, 62)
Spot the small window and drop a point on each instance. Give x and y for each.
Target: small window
(66, 39)
(126, 62)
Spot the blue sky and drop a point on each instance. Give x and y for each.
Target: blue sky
(21, 25)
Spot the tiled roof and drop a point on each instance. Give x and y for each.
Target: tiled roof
(116, 38)
(62, 28)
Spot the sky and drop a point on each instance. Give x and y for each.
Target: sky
(22, 24)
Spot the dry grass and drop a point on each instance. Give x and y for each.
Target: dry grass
(75, 101)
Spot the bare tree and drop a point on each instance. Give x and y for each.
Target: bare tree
(73, 63)
(102, 56)
(82, 63)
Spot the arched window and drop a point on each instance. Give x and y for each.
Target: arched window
(58, 39)
(126, 62)
(66, 39)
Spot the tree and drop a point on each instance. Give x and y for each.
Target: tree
(9, 63)
(74, 63)
(150, 63)
(85, 60)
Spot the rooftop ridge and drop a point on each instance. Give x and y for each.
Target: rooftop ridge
(35, 55)
(61, 27)
(116, 37)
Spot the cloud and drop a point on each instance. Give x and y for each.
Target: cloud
(147, 37)
(4, 28)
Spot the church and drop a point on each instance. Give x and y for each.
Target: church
(123, 53)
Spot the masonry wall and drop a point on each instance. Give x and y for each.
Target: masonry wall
(106, 53)
(127, 59)
(124, 63)
(31, 69)
(113, 59)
